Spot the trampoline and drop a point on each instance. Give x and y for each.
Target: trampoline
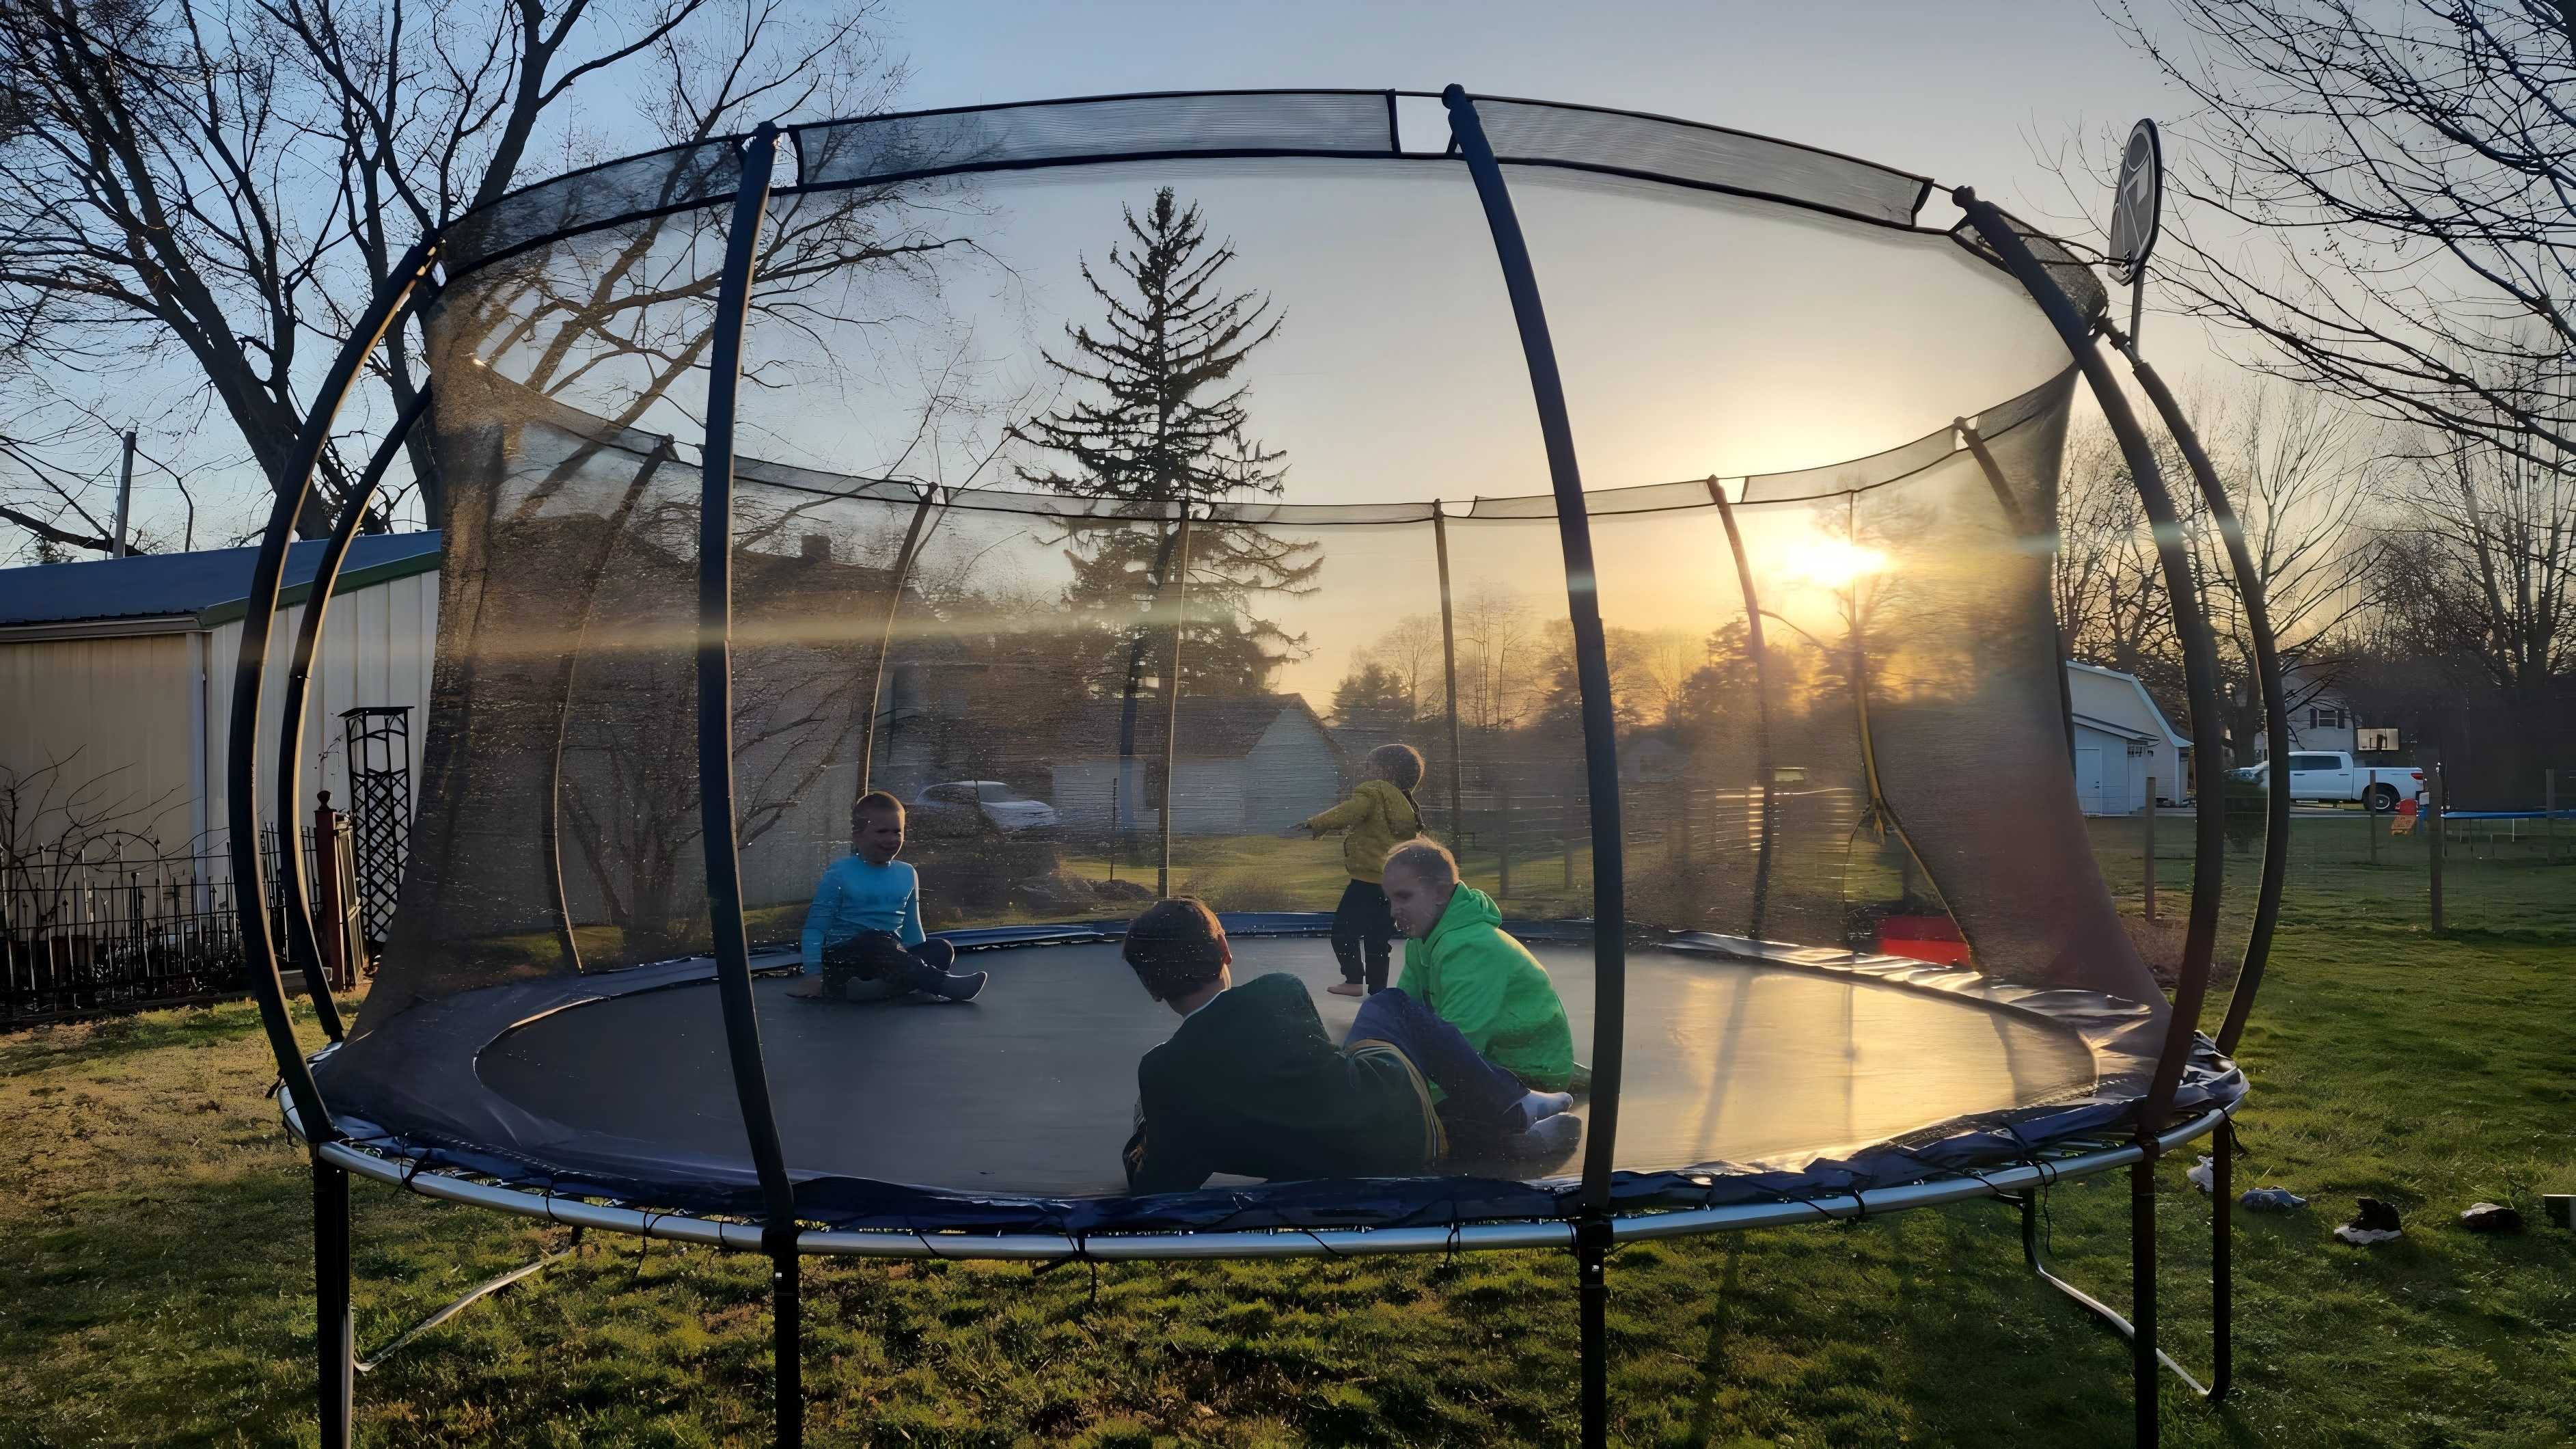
(778, 469)
(1873, 1067)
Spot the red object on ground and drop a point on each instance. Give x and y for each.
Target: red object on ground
(1924, 938)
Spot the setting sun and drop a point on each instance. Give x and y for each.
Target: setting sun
(1831, 562)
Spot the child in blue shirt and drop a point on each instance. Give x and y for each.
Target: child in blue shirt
(863, 935)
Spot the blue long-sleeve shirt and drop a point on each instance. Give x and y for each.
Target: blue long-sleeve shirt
(855, 896)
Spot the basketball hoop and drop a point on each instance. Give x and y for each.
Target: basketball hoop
(2137, 203)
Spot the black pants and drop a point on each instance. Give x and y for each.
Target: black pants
(878, 963)
(1363, 933)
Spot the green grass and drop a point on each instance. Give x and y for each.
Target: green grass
(155, 1286)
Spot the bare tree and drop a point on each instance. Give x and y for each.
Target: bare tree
(213, 190)
(1499, 653)
(2384, 193)
(2483, 557)
(1665, 661)
(2108, 586)
(1410, 651)
(2303, 472)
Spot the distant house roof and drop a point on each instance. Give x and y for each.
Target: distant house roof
(2126, 732)
(2146, 701)
(211, 584)
(1216, 726)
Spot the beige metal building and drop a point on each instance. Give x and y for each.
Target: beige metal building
(116, 681)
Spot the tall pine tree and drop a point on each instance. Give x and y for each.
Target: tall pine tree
(1159, 425)
(1159, 433)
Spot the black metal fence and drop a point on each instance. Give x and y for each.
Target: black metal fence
(124, 931)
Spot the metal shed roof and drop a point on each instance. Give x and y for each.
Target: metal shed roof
(210, 584)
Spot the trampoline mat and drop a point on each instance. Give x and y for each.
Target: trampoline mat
(1031, 1089)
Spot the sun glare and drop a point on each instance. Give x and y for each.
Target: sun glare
(1832, 562)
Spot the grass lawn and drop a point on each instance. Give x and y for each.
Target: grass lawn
(155, 1286)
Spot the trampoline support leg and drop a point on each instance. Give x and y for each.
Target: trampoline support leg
(2142, 1295)
(2144, 1354)
(1592, 1295)
(787, 1308)
(334, 1324)
(2222, 1262)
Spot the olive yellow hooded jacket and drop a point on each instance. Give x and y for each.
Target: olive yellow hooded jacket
(1376, 819)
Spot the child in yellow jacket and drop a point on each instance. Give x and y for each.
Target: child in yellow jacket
(1379, 816)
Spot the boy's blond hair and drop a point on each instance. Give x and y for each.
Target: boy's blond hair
(1427, 861)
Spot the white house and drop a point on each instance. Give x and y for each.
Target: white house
(2121, 741)
(2320, 717)
(116, 676)
(1242, 766)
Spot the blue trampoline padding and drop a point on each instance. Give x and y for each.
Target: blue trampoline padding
(1755, 1071)
(2568, 814)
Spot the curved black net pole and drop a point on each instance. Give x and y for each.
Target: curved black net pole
(1449, 675)
(303, 945)
(2191, 622)
(2026, 536)
(1172, 702)
(1762, 764)
(885, 645)
(567, 674)
(2267, 670)
(250, 877)
(334, 1343)
(2200, 675)
(1600, 751)
(715, 773)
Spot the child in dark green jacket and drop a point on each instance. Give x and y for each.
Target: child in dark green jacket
(1250, 1084)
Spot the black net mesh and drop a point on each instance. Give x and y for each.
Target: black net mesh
(2078, 280)
(1531, 132)
(684, 177)
(1047, 132)
(1101, 659)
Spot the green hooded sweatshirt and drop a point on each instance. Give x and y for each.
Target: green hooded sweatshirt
(1481, 981)
(1376, 819)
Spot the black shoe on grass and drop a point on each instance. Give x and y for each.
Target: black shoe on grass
(2375, 1223)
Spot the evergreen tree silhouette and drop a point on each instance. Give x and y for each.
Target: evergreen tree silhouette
(1158, 434)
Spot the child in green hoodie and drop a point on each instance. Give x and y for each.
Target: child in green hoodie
(1460, 962)
(1379, 816)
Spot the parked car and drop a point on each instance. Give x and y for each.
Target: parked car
(958, 807)
(2318, 775)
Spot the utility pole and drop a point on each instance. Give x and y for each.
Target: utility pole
(124, 495)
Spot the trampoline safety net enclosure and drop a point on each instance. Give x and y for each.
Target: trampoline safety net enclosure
(1109, 479)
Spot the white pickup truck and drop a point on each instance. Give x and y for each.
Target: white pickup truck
(2317, 775)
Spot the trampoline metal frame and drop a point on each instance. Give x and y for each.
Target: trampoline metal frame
(1593, 1230)
(1026, 1247)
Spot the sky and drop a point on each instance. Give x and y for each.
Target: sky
(1968, 91)
(1378, 388)
(1960, 90)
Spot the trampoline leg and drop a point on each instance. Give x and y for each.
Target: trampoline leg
(2142, 1296)
(334, 1327)
(2144, 1355)
(1592, 1295)
(787, 1308)
(2222, 1264)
